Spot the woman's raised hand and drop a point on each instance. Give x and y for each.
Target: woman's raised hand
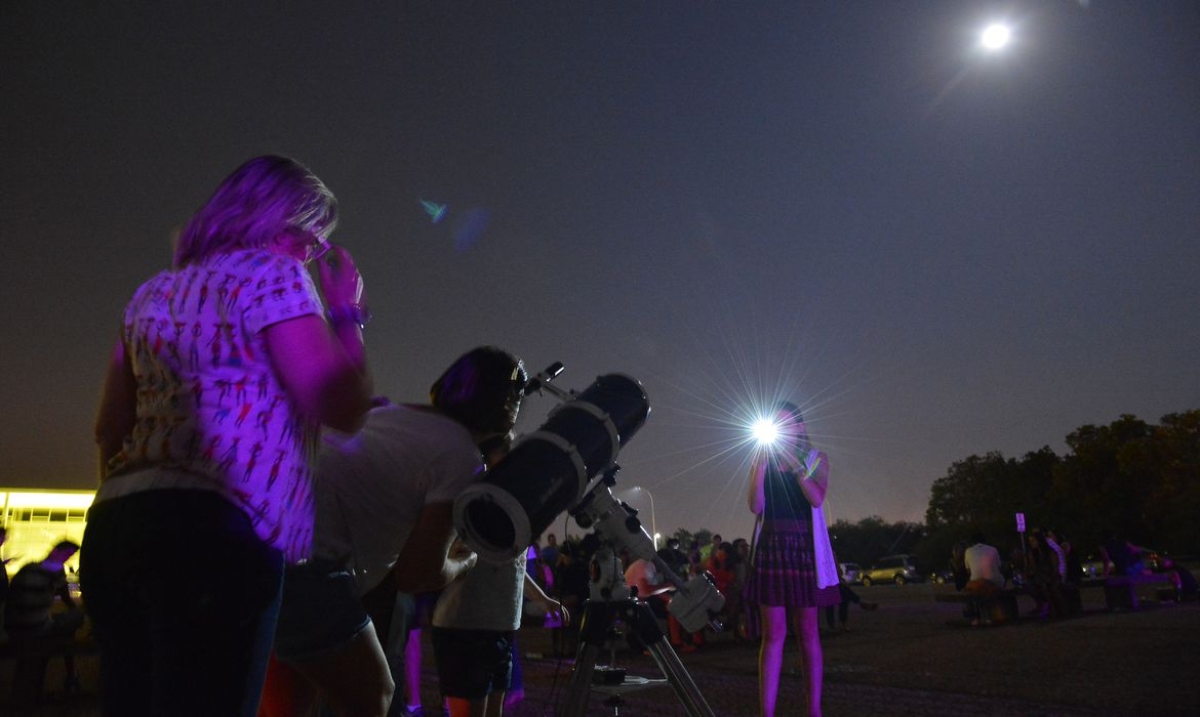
(341, 283)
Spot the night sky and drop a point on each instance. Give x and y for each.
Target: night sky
(934, 250)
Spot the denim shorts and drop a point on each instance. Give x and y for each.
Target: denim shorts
(472, 664)
(320, 613)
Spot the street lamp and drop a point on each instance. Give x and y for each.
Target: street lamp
(653, 523)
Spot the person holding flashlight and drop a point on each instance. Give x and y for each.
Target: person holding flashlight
(787, 481)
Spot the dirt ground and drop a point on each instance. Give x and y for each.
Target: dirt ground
(912, 656)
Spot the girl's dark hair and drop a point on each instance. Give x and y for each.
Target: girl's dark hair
(481, 390)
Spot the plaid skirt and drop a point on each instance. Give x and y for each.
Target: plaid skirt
(784, 571)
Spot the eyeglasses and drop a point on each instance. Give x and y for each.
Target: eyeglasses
(318, 250)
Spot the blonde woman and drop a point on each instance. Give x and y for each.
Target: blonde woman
(226, 367)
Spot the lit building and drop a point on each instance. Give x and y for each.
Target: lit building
(37, 519)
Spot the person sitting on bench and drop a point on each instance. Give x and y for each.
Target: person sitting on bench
(27, 615)
(982, 562)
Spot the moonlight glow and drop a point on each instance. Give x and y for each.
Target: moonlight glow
(995, 36)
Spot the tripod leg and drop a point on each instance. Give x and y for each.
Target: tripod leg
(579, 688)
(685, 687)
(597, 618)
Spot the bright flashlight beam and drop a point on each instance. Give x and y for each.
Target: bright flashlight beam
(995, 36)
(765, 431)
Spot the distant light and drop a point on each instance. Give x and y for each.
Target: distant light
(995, 36)
(765, 431)
(64, 499)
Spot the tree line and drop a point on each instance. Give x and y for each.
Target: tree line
(1139, 480)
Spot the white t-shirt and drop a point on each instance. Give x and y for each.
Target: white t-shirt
(372, 486)
(211, 411)
(983, 562)
(486, 597)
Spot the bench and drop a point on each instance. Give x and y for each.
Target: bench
(1121, 591)
(1000, 606)
(33, 658)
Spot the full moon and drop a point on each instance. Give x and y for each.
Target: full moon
(995, 36)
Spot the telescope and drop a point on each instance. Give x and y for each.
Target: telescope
(695, 601)
(548, 471)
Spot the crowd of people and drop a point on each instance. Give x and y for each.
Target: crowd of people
(1049, 568)
(266, 526)
(270, 536)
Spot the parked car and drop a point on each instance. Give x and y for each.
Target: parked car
(1092, 568)
(851, 572)
(899, 569)
(941, 577)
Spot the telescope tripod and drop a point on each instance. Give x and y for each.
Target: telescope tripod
(594, 628)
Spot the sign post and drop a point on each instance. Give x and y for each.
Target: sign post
(1021, 532)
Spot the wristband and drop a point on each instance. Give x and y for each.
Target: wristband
(357, 313)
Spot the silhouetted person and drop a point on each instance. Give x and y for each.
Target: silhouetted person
(1120, 556)
(1045, 581)
(848, 597)
(958, 565)
(27, 611)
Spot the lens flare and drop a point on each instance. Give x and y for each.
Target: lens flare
(434, 210)
(469, 228)
(765, 431)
